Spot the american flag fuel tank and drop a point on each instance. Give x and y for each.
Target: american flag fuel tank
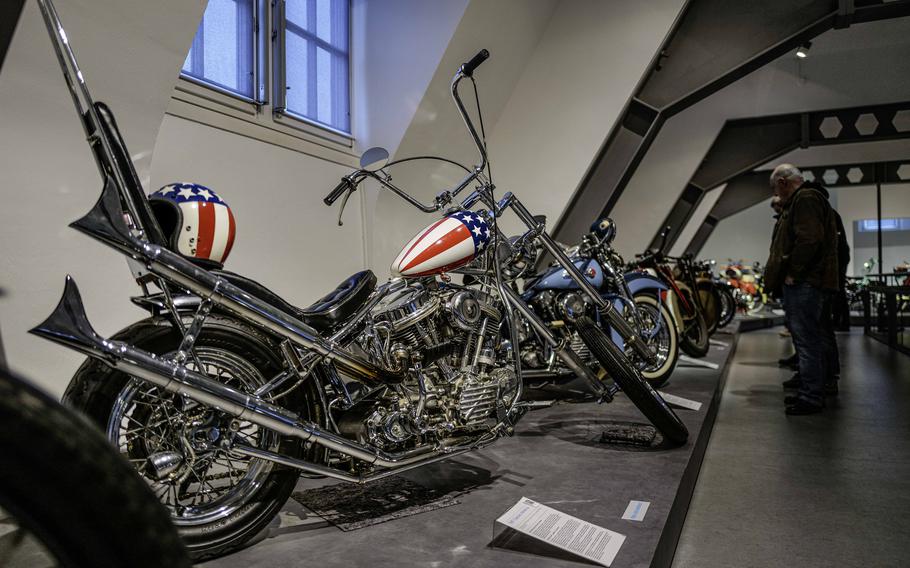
(444, 245)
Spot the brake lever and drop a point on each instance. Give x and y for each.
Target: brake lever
(344, 202)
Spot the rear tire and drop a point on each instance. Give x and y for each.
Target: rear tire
(637, 389)
(666, 342)
(694, 339)
(728, 307)
(709, 300)
(96, 389)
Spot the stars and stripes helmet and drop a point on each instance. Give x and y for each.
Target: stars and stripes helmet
(196, 221)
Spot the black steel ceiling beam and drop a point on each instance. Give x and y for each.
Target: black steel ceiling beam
(10, 10)
(711, 44)
(750, 188)
(745, 144)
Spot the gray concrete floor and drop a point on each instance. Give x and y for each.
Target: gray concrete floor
(825, 490)
(555, 458)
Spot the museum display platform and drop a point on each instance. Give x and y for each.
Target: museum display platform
(443, 514)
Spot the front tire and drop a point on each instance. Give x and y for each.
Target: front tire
(62, 482)
(637, 389)
(140, 420)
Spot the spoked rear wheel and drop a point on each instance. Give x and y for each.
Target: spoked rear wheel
(662, 338)
(218, 499)
(636, 388)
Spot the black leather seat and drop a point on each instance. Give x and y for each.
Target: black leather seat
(327, 312)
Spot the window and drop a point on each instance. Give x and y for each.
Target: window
(871, 225)
(309, 54)
(223, 52)
(315, 62)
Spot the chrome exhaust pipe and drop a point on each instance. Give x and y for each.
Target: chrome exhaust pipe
(69, 326)
(105, 223)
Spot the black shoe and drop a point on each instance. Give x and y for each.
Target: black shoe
(793, 382)
(790, 400)
(831, 388)
(802, 407)
(790, 362)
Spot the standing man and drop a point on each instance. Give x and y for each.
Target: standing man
(803, 264)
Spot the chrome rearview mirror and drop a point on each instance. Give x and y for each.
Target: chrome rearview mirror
(374, 159)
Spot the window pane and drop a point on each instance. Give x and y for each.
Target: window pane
(316, 61)
(297, 59)
(222, 51)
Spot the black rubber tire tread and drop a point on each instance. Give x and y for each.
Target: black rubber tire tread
(95, 386)
(65, 484)
(636, 388)
(658, 381)
(695, 346)
(727, 297)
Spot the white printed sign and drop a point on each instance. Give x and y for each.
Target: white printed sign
(636, 510)
(680, 401)
(563, 531)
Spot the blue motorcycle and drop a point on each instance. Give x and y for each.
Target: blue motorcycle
(639, 296)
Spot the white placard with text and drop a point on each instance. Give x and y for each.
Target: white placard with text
(680, 401)
(563, 531)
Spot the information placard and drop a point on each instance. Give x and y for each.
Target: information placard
(680, 401)
(563, 531)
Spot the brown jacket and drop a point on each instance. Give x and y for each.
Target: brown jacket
(805, 242)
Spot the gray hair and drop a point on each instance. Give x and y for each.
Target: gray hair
(787, 172)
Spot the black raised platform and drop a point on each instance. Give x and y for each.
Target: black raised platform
(557, 457)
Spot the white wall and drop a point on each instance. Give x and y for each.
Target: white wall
(556, 80)
(745, 236)
(856, 203)
(131, 52)
(862, 65)
(698, 216)
(286, 237)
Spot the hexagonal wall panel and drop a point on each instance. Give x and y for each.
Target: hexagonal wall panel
(903, 172)
(901, 121)
(855, 175)
(808, 176)
(830, 177)
(830, 127)
(866, 124)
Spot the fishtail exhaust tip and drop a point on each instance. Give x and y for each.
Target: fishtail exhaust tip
(105, 220)
(68, 323)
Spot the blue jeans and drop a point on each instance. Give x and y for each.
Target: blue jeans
(805, 305)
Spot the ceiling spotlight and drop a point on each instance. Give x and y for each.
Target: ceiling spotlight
(803, 51)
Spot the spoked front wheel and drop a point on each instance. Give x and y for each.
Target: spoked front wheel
(636, 388)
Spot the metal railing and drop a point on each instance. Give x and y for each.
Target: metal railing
(887, 314)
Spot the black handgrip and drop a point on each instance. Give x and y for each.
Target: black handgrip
(343, 186)
(468, 68)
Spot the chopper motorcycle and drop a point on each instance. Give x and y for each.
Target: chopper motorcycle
(227, 393)
(636, 294)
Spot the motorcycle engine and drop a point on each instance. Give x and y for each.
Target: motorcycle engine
(447, 341)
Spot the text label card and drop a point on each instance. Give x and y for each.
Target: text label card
(680, 401)
(564, 531)
(636, 510)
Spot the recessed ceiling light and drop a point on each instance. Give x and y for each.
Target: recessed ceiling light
(803, 51)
